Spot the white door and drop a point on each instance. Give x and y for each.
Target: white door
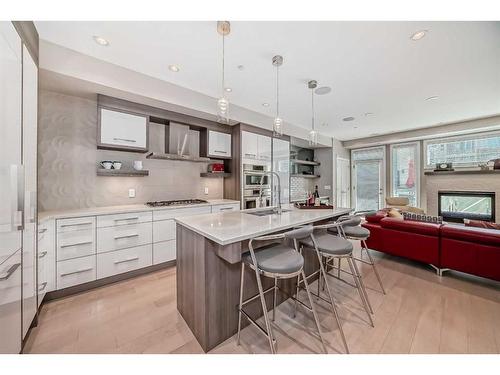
(368, 187)
(343, 182)
(10, 186)
(281, 165)
(219, 144)
(30, 114)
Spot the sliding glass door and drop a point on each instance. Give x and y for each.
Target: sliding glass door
(368, 178)
(405, 171)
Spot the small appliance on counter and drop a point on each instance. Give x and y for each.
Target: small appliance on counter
(216, 168)
(444, 167)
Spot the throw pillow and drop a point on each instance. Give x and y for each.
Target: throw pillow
(481, 224)
(395, 214)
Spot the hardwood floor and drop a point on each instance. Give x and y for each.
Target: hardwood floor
(420, 313)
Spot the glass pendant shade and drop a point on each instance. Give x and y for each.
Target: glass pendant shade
(223, 28)
(223, 110)
(278, 126)
(313, 138)
(278, 121)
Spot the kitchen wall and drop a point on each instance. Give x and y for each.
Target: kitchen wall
(68, 157)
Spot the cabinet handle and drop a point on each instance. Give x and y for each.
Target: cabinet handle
(127, 236)
(9, 272)
(77, 244)
(254, 155)
(125, 140)
(76, 272)
(220, 152)
(128, 218)
(74, 225)
(43, 230)
(226, 209)
(42, 287)
(42, 254)
(126, 260)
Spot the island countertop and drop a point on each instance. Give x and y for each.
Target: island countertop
(229, 227)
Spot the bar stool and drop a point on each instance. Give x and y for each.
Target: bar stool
(351, 229)
(328, 248)
(277, 261)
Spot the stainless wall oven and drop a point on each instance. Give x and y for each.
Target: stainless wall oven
(253, 199)
(252, 176)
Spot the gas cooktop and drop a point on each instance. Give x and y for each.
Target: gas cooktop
(179, 202)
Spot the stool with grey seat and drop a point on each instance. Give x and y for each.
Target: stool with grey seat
(328, 248)
(277, 261)
(352, 230)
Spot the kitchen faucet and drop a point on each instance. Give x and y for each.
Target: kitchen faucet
(277, 209)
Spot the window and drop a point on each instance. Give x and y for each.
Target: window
(464, 151)
(405, 171)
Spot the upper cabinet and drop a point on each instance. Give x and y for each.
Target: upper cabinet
(219, 144)
(122, 130)
(255, 146)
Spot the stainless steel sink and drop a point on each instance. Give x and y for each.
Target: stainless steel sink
(265, 212)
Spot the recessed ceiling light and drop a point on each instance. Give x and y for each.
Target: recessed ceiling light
(228, 89)
(265, 104)
(101, 41)
(241, 67)
(432, 97)
(368, 114)
(323, 90)
(418, 35)
(173, 68)
(350, 118)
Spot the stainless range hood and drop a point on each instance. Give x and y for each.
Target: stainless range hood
(181, 143)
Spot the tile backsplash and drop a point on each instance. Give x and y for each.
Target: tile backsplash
(68, 158)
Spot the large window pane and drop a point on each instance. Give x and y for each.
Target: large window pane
(467, 151)
(405, 172)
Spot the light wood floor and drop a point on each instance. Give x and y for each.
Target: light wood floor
(420, 313)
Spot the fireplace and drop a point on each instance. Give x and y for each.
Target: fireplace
(455, 206)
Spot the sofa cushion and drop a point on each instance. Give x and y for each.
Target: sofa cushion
(471, 234)
(428, 229)
(376, 216)
(481, 224)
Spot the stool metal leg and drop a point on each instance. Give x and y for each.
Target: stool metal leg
(354, 271)
(275, 292)
(241, 301)
(313, 310)
(364, 247)
(264, 309)
(362, 283)
(332, 302)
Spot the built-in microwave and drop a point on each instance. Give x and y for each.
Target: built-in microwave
(252, 176)
(256, 198)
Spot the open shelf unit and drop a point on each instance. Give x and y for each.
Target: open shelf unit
(122, 172)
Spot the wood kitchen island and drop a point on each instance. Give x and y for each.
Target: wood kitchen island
(209, 249)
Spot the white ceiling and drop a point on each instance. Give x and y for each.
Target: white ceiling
(371, 67)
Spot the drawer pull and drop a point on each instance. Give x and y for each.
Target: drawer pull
(76, 272)
(220, 152)
(77, 244)
(126, 236)
(226, 209)
(43, 230)
(247, 154)
(126, 260)
(74, 225)
(42, 254)
(125, 140)
(10, 271)
(128, 218)
(42, 286)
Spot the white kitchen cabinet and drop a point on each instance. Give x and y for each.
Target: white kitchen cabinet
(180, 212)
(123, 236)
(122, 130)
(76, 271)
(219, 144)
(10, 304)
(46, 259)
(164, 251)
(121, 261)
(164, 230)
(124, 219)
(255, 147)
(226, 207)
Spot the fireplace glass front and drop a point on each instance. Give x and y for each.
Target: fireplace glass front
(455, 206)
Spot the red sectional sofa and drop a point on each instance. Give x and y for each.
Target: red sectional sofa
(445, 246)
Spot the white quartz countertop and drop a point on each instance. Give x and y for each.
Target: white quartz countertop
(93, 211)
(233, 226)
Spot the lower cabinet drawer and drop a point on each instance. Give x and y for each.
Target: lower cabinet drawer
(75, 244)
(120, 261)
(163, 230)
(164, 251)
(76, 271)
(123, 236)
(226, 207)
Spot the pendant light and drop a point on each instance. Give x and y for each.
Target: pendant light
(278, 121)
(223, 28)
(313, 134)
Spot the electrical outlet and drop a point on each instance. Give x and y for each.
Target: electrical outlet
(206, 190)
(328, 187)
(131, 193)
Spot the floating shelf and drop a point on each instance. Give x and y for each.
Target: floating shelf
(305, 175)
(304, 162)
(122, 172)
(215, 175)
(463, 171)
(179, 157)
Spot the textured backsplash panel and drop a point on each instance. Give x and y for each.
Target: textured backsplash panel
(299, 187)
(68, 157)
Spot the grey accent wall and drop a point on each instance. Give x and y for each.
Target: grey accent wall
(68, 157)
(325, 170)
